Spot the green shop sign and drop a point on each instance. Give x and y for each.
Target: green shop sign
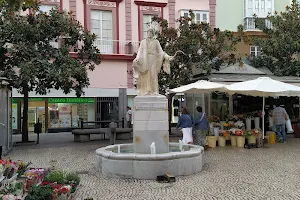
(15, 100)
(71, 100)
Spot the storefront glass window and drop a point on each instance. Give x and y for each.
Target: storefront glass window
(67, 112)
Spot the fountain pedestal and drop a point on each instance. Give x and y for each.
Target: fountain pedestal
(150, 124)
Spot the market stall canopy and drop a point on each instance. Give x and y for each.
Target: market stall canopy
(201, 86)
(263, 87)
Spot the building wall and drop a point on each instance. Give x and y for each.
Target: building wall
(230, 13)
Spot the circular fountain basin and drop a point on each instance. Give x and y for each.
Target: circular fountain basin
(128, 164)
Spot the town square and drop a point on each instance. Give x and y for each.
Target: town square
(160, 99)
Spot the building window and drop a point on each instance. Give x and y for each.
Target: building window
(46, 9)
(101, 25)
(255, 51)
(147, 23)
(200, 16)
(261, 8)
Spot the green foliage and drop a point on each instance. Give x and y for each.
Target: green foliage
(39, 193)
(205, 49)
(281, 45)
(62, 177)
(56, 176)
(31, 63)
(72, 177)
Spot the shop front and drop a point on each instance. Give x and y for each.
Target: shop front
(55, 114)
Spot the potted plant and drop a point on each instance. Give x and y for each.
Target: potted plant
(232, 138)
(211, 140)
(222, 138)
(239, 125)
(240, 138)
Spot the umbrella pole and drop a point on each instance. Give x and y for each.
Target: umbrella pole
(263, 118)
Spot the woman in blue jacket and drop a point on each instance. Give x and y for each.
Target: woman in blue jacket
(186, 124)
(201, 127)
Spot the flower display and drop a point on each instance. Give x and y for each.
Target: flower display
(214, 118)
(224, 133)
(239, 132)
(215, 124)
(227, 126)
(239, 124)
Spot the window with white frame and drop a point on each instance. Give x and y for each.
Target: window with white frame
(261, 8)
(255, 51)
(46, 8)
(101, 25)
(147, 23)
(200, 16)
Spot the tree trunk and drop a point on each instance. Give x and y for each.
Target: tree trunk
(170, 97)
(25, 117)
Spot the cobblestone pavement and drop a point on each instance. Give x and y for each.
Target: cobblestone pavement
(229, 173)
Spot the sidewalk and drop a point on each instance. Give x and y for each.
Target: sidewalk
(49, 140)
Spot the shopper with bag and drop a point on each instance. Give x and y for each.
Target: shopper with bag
(280, 116)
(186, 124)
(201, 128)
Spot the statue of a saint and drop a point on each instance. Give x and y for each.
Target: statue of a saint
(147, 64)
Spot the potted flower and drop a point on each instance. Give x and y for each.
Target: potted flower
(239, 124)
(211, 140)
(240, 140)
(222, 138)
(232, 137)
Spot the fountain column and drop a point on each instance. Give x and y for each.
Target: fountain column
(150, 124)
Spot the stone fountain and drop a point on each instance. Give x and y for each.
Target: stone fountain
(150, 126)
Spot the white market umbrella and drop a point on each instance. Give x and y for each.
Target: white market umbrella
(201, 87)
(264, 87)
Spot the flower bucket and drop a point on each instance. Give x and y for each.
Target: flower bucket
(221, 141)
(251, 139)
(216, 132)
(240, 141)
(227, 137)
(233, 140)
(248, 123)
(256, 122)
(212, 140)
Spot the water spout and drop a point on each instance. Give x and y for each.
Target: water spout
(119, 148)
(180, 145)
(152, 148)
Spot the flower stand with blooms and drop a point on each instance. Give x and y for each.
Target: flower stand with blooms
(211, 140)
(23, 183)
(240, 138)
(239, 125)
(222, 138)
(232, 139)
(251, 137)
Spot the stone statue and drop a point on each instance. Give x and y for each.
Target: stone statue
(147, 64)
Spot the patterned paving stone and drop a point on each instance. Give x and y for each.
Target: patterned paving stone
(271, 173)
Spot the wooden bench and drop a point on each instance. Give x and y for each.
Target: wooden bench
(83, 135)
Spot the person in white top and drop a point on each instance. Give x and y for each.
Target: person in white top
(129, 117)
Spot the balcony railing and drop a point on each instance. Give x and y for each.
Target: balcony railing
(109, 46)
(116, 46)
(249, 24)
